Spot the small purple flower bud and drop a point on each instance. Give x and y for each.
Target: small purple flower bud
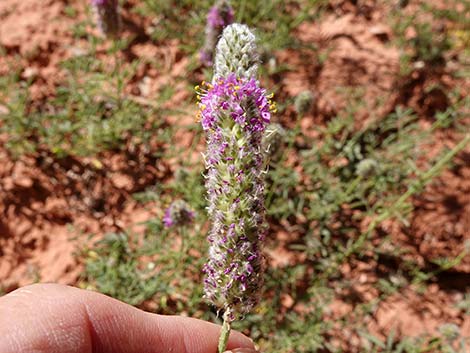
(220, 15)
(108, 17)
(179, 213)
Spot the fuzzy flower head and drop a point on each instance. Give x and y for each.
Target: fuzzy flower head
(179, 213)
(108, 17)
(220, 15)
(236, 53)
(234, 113)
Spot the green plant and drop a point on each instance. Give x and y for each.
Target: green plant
(113, 268)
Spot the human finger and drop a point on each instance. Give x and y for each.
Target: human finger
(50, 318)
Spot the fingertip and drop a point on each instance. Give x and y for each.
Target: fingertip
(103, 323)
(238, 340)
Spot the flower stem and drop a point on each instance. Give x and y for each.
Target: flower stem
(225, 332)
(182, 252)
(116, 47)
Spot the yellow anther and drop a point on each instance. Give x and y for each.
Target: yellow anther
(273, 107)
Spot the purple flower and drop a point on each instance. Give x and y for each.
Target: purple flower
(179, 213)
(240, 99)
(219, 16)
(108, 16)
(234, 113)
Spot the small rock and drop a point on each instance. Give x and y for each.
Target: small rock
(122, 181)
(381, 32)
(287, 301)
(144, 86)
(23, 181)
(77, 52)
(419, 65)
(30, 73)
(4, 110)
(8, 183)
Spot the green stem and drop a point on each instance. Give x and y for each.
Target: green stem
(183, 242)
(182, 251)
(241, 11)
(225, 332)
(117, 72)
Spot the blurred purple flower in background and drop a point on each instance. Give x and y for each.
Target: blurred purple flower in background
(179, 213)
(108, 17)
(220, 15)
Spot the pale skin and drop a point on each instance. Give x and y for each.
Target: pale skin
(52, 318)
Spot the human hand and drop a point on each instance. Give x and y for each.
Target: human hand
(52, 318)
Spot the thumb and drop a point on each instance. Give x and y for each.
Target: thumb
(50, 318)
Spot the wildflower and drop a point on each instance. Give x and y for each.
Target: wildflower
(179, 213)
(220, 15)
(234, 113)
(303, 102)
(234, 182)
(108, 17)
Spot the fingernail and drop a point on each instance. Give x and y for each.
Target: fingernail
(242, 350)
